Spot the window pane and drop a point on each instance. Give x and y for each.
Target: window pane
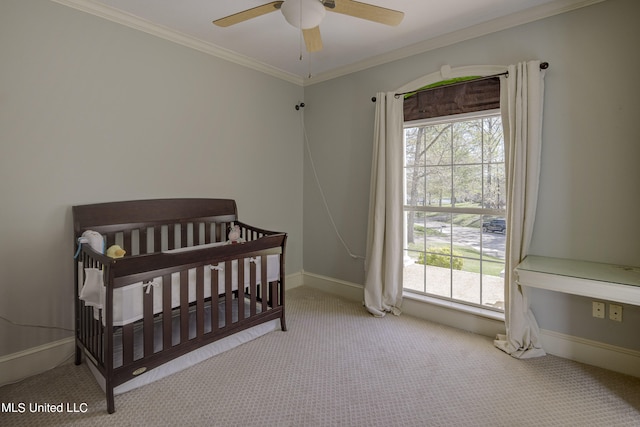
(412, 155)
(493, 141)
(438, 186)
(494, 238)
(437, 142)
(413, 273)
(466, 284)
(414, 186)
(466, 238)
(493, 284)
(415, 234)
(495, 186)
(437, 230)
(467, 186)
(467, 142)
(437, 278)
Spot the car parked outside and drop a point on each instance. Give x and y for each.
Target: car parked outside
(494, 226)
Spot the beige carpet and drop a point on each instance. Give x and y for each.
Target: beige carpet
(338, 366)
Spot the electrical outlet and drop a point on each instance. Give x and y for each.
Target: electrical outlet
(598, 309)
(615, 312)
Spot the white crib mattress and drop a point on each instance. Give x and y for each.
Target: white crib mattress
(128, 300)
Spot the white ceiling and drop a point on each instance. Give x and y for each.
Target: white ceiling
(270, 44)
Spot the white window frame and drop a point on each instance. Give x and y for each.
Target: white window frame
(451, 210)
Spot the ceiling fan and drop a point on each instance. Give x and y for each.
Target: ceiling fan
(307, 15)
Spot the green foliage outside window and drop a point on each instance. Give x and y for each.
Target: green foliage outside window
(441, 257)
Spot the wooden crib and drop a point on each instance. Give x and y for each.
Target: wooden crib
(180, 286)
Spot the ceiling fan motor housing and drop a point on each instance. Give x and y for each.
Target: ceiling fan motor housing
(303, 14)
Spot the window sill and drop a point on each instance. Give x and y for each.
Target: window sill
(477, 311)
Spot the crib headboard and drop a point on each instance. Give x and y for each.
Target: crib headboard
(195, 220)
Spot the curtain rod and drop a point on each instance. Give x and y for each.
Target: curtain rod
(543, 66)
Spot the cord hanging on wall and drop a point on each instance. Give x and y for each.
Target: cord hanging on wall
(322, 196)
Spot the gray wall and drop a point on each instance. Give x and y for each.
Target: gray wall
(83, 97)
(92, 111)
(589, 190)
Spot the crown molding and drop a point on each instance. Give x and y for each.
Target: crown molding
(495, 25)
(519, 18)
(137, 23)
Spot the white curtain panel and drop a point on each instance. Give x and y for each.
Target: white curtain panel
(522, 93)
(383, 265)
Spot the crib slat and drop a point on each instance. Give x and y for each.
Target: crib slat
(264, 285)
(200, 301)
(101, 341)
(207, 232)
(157, 239)
(91, 323)
(184, 234)
(196, 233)
(96, 328)
(110, 240)
(87, 312)
(214, 300)
(184, 306)
(171, 236)
(142, 240)
(252, 288)
(127, 344)
(240, 297)
(273, 294)
(166, 312)
(228, 293)
(147, 329)
(85, 326)
(126, 241)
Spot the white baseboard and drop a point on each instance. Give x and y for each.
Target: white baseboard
(293, 280)
(347, 290)
(613, 358)
(23, 364)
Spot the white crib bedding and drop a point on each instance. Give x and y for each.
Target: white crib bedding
(128, 300)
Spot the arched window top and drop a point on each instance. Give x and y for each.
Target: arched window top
(451, 92)
(446, 73)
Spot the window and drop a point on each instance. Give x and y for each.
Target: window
(454, 205)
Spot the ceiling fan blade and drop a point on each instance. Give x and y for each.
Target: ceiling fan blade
(367, 11)
(312, 39)
(248, 14)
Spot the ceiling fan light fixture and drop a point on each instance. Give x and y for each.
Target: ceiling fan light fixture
(303, 14)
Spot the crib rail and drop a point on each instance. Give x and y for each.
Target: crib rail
(141, 239)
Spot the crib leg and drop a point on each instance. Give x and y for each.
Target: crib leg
(283, 324)
(111, 404)
(78, 360)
